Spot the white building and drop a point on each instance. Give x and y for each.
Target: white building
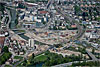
(31, 43)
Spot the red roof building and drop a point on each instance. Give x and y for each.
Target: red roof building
(43, 12)
(88, 30)
(73, 26)
(2, 39)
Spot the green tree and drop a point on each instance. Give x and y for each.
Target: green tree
(33, 55)
(5, 49)
(93, 50)
(2, 8)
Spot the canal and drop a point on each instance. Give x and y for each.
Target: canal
(13, 24)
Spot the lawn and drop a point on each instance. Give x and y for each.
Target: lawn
(41, 57)
(21, 30)
(38, 59)
(7, 66)
(18, 57)
(98, 19)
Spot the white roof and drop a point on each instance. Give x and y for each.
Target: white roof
(2, 35)
(32, 4)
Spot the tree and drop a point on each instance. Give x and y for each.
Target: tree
(84, 57)
(93, 50)
(44, 22)
(20, 5)
(33, 55)
(2, 8)
(5, 49)
(77, 9)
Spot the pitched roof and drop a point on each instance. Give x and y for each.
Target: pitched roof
(43, 12)
(2, 39)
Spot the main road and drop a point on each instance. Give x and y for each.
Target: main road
(69, 63)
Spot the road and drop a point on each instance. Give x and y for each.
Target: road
(80, 28)
(61, 12)
(68, 64)
(91, 55)
(3, 2)
(5, 64)
(12, 17)
(18, 63)
(35, 37)
(49, 3)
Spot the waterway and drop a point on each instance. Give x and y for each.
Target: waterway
(13, 18)
(13, 24)
(39, 65)
(24, 37)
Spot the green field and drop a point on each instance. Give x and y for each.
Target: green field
(41, 57)
(7, 66)
(18, 57)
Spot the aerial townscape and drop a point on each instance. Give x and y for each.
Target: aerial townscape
(49, 33)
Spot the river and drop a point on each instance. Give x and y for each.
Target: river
(13, 24)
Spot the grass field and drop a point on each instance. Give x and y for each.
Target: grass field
(41, 57)
(7, 66)
(18, 57)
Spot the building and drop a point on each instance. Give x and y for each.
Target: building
(29, 25)
(2, 40)
(0, 14)
(73, 26)
(31, 43)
